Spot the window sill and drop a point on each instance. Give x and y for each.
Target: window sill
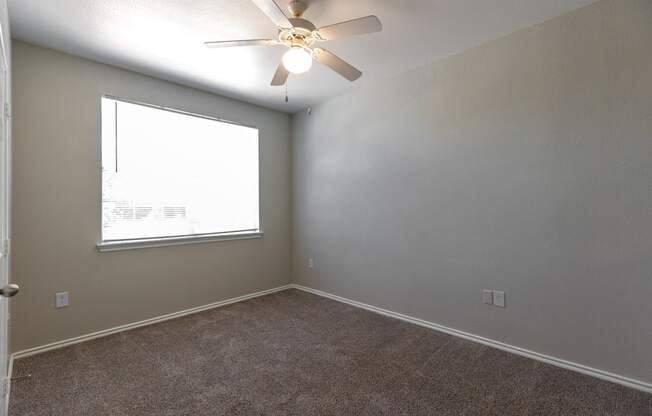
(119, 245)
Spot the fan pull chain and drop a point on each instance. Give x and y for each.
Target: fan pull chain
(286, 92)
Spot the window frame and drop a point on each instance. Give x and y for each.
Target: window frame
(139, 243)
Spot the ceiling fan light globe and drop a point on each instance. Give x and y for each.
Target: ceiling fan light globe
(297, 60)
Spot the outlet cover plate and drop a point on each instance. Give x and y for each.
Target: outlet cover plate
(499, 298)
(488, 297)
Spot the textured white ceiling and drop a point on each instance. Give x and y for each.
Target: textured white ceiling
(164, 38)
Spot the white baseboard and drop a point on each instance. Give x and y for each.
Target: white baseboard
(10, 374)
(121, 328)
(604, 375)
(594, 372)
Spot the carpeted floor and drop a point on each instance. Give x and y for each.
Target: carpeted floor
(293, 353)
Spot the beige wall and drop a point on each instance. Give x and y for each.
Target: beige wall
(523, 165)
(56, 206)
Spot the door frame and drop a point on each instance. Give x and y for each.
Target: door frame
(5, 223)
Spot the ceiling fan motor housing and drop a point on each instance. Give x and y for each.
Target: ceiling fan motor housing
(301, 34)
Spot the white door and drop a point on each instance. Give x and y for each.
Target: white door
(5, 290)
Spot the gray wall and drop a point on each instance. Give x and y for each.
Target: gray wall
(56, 207)
(522, 165)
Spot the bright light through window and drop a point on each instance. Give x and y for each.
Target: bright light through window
(170, 174)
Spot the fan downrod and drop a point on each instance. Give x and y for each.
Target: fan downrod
(297, 8)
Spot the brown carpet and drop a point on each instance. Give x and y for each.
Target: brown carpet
(293, 353)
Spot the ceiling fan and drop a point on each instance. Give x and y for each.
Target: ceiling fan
(300, 36)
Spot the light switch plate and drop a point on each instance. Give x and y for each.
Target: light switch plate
(499, 298)
(488, 296)
(61, 299)
(311, 263)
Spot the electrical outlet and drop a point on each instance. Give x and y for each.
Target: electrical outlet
(62, 299)
(488, 296)
(311, 263)
(499, 298)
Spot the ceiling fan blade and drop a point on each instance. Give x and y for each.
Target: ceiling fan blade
(368, 24)
(271, 9)
(336, 64)
(245, 42)
(281, 75)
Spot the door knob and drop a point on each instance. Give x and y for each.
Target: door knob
(9, 290)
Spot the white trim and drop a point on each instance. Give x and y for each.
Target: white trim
(10, 374)
(594, 372)
(5, 210)
(117, 245)
(155, 320)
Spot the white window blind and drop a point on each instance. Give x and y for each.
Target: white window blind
(171, 174)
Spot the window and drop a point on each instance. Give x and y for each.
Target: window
(170, 177)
